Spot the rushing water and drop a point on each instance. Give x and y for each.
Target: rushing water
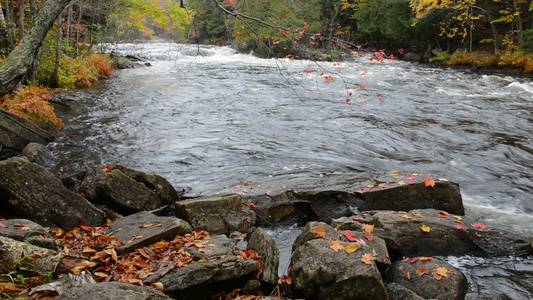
(208, 117)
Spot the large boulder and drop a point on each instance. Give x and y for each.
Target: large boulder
(333, 196)
(144, 228)
(430, 278)
(16, 133)
(217, 214)
(124, 194)
(326, 268)
(431, 232)
(112, 291)
(29, 190)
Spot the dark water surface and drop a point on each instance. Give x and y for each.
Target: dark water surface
(220, 119)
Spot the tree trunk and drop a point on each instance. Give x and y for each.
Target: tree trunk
(9, 25)
(68, 37)
(21, 19)
(78, 27)
(13, 70)
(3, 32)
(33, 10)
(54, 78)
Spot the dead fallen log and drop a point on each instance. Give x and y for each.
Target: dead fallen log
(15, 255)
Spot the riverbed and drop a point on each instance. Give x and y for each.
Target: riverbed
(208, 118)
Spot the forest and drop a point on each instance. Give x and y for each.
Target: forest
(54, 43)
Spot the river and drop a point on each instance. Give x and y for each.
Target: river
(207, 117)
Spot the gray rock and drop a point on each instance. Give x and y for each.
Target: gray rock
(217, 214)
(319, 272)
(404, 236)
(121, 192)
(163, 228)
(412, 57)
(263, 244)
(29, 190)
(397, 291)
(39, 154)
(333, 196)
(224, 268)
(26, 230)
(112, 291)
(16, 133)
(307, 234)
(451, 286)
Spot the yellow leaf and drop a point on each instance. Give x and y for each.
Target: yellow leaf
(458, 218)
(400, 183)
(351, 248)
(425, 228)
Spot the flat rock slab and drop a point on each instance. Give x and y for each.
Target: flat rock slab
(143, 228)
(430, 279)
(336, 195)
(26, 230)
(431, 232)
(29, 190)
(112, 291)
(217, 214)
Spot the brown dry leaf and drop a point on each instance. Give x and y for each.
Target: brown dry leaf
(369, 236)
(422, 271)
(2, 225)
(320, 231)
(158, 286)
(336, 246)
(160, 245)
(18, 225)
(367, 259)
(146, 225)
(407, 217)
(408, 276)
(368, 228)
(36, 255)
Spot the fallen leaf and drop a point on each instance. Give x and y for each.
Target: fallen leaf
(406, 217)
(408, 276)
(458, 218)
(349, 236)
(425, 228)
(146, 225)
(422, 271)
(459, 227)
(382, 185)
(2, 225)
(351, 248)
(336, 246)
(18, 225)
(158, 286)
(369, 236)
(414, 259)
(410, 178)
(429, 182)
(400, 183)
(367, 259)
(36, 255)
(425, 259)
(444, 213)
(320, 231)
(443, 271)
(160, 245)
(479, 225)
(368, 228)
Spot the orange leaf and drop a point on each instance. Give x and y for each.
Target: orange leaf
(422, 271)
(320, 231)
(146, 225)
(2, 225)
(444, 213)
(160, 245)
(336, 246)
(429, 182)
(369, 236)
(368, 228)
(408, 276)
(425, 259)
(367, 259)
(479, 225)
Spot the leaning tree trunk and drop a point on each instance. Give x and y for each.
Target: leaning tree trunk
(13, 70)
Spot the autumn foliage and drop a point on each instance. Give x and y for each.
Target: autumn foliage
(31, 103)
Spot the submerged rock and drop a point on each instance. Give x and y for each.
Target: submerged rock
(39, 154)
(29, 190)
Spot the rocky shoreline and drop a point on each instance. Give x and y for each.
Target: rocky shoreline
(114, 233)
